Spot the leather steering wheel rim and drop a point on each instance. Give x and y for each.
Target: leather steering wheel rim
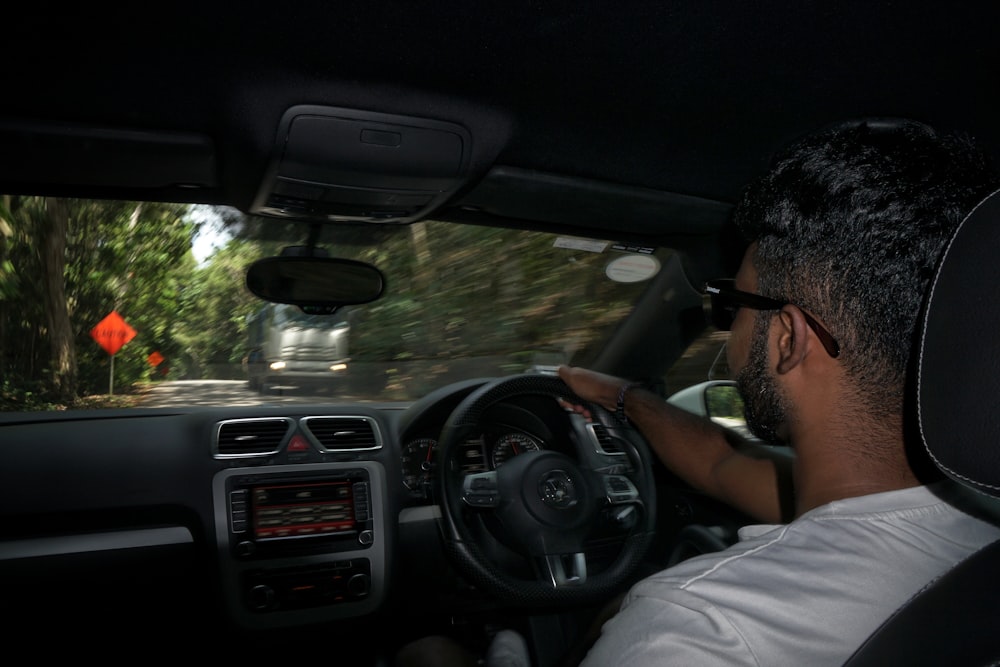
(464, 549)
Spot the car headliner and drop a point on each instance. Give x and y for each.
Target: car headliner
(646, 118)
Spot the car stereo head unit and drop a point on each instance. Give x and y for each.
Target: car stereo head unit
(307, 509)
(271, 515)
(301, 544)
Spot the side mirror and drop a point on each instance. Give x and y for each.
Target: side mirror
(724, 404)
(315, 284)
(718, 400)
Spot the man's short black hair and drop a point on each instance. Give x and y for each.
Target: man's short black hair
(850, 223)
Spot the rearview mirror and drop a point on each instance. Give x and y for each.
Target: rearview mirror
(315, 283)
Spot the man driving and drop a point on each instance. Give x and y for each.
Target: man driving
(843, 236)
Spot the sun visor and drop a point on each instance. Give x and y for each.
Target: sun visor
(350, 165)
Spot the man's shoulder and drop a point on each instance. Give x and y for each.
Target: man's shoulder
(875, 531)
(812, 587)
(938, 507)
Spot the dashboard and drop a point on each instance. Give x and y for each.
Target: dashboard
(257, 525)
(263, 517)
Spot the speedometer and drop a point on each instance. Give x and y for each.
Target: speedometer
(510, 445)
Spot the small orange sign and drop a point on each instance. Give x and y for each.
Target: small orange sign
(155, 359)
(112, 333)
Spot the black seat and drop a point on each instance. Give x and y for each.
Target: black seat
(956, 619)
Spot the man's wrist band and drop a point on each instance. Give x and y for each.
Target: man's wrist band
(620, 407)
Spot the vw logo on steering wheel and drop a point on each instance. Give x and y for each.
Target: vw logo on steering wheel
(556, 490)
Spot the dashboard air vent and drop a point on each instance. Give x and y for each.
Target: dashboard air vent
(244, 438)
(340, 434)
(605, 442)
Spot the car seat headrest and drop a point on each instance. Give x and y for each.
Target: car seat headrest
(958, 365)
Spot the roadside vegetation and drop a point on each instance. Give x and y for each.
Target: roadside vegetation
(13, 398)
(67, 264)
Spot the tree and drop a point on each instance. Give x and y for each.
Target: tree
(94, 257)
(51, 238)
(130, 257)
(214, 307)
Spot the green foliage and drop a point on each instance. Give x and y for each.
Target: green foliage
(124, 256)
(214, 306)
(724, 401)
(132, 258)
(8, 275)
(21, 398)
(460, 299)
(447, 302)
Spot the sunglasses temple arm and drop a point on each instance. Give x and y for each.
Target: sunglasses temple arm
(829, 342)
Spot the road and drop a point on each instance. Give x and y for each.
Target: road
(229, 393)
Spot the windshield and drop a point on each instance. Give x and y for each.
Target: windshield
(106, 303)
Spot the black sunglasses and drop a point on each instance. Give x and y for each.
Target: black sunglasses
(727, 300)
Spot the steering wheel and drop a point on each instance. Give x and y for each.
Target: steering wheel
(547, 504)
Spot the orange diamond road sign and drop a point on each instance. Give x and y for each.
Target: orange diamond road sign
(112, 333)
(155, 359)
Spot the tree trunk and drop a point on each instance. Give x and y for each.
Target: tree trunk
(52, 246)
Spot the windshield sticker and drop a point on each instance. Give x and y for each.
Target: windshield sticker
(632, 268)
(642, 250)
(589, 245)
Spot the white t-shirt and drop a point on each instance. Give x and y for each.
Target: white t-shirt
(806, 593)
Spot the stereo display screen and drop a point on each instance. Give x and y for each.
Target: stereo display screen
(302, 510)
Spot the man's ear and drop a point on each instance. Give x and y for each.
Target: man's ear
(793, 338)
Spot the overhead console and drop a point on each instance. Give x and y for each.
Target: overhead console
(301, 544)
(337, 164)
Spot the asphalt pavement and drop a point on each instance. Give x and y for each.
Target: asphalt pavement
(228, 393)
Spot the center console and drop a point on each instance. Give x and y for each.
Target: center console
(301, 544)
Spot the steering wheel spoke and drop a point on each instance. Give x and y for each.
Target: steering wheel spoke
(566, 569)
(481, 490)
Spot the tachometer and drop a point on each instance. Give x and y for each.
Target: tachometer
(510, 445)
(418, 462)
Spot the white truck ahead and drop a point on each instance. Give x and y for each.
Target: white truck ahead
(289, 347)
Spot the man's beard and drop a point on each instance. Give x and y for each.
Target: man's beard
(764, 406)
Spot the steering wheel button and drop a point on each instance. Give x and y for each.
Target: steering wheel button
(481, 499)
(619, 489)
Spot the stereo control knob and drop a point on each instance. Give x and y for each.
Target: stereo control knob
(359, 585)
(260, 597)
(366, 537)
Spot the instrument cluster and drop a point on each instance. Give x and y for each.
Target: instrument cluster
(504, 430)
(487, 451)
